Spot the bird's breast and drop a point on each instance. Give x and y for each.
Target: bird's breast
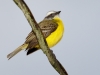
(55, 36)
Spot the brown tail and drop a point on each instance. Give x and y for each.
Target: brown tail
(24, 46)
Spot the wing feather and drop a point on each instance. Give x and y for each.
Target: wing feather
(47, 27)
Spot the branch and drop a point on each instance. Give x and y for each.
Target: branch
(42, 42)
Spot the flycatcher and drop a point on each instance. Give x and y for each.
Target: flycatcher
(52, 28)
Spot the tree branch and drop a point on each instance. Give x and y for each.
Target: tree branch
(42, 42)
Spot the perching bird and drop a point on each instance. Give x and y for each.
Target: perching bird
(52, 29)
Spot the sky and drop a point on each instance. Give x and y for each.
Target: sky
(78, 51)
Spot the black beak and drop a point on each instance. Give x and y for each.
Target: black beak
(58, 12)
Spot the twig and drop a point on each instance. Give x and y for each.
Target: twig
(42, 42)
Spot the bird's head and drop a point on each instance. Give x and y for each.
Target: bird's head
(52, 15)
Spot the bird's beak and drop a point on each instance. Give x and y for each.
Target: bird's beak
(58, 12)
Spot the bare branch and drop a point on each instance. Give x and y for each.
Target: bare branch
(42, 42)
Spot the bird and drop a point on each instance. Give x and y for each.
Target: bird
(52, 28)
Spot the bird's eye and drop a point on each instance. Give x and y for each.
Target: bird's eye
(52, 15)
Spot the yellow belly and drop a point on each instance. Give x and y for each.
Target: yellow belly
(56, 36)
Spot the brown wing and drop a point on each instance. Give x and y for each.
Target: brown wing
(47, 27)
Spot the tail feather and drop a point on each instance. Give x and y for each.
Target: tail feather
(24, 46)
(31, 50)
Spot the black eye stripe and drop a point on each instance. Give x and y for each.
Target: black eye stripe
(51, 15)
